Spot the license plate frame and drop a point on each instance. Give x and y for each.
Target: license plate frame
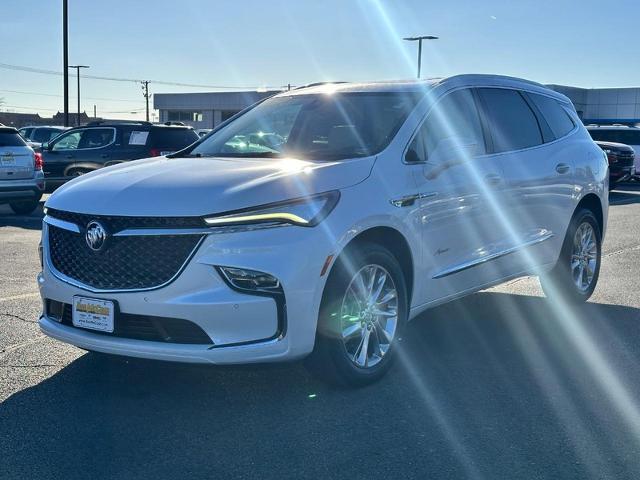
(7, 161)
(92, 315)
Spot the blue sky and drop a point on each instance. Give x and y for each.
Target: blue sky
(274, 42)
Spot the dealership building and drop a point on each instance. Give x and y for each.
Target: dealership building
(604, 105)
(207, 110)
(204, 110)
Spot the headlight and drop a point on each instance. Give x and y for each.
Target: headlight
(304, 212)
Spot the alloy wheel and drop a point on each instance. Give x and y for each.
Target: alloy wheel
(584, 257)
(369, 316)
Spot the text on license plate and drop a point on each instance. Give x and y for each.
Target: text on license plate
(93, 314)
(7, 161)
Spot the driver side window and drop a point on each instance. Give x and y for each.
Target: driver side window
(68, 142)
(455, 118)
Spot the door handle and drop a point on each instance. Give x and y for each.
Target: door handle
(104, 155)
(562, 168)
(69, 156)
(410, 200)
(493, 179)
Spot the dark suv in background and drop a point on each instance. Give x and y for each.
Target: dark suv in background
(621, 159)
(99, 144)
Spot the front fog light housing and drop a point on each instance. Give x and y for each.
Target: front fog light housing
(250, 280)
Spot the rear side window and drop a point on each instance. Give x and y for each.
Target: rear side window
(11, 139)
(556, 116)
(453, 119)
(172, 138)
(512, 123)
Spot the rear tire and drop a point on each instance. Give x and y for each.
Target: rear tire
(25, 207)
(576, 273)
(77, 172)
(362, 316)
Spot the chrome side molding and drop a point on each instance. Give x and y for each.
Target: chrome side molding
(492, 256)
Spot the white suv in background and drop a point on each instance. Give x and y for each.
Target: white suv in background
(322, 220)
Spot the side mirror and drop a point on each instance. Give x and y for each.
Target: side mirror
(449, 152)
(456, 149)
(45, 146)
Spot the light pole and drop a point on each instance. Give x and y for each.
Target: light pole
(419, 40)
(78, 67)
(65, 61)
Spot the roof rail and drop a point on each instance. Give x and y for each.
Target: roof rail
(317, 84)
(124, 122)
(172, 122)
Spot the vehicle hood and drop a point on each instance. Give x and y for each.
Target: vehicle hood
(164, 186)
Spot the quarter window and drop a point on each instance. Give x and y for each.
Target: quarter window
(557, 118)
(453, 121)
(512, 123)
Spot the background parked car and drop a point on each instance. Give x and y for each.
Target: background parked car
(21, 178)
(618, 134)
(37, 135)
(83, 149)
(621, 162)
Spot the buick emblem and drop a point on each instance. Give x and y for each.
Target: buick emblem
(96, 236)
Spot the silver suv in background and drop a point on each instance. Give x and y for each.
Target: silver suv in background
(21, 177)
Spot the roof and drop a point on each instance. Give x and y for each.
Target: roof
(424, 85)
(8, 130)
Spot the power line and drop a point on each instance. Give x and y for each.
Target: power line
(43, 71)
(28, 108)
(60, 96)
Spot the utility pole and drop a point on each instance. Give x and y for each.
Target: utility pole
(78, 67)
(94, 112)
(145, 94)
(419, 40)
(65, 61)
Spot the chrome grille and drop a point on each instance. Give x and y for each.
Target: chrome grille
(126, 262)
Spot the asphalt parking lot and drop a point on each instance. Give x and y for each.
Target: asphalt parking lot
(499, 385)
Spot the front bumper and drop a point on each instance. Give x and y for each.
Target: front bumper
(244, 328)
(18, 190)
(622, 174)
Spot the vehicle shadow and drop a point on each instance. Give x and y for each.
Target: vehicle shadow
(31, 222)
(493, 386)
(625, 194)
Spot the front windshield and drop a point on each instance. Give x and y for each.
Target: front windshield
(315, 127)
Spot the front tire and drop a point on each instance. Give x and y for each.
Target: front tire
(576, 273)
(363, 313)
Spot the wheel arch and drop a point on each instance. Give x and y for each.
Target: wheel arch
(83, 166)
(394, 241)
(592, 202)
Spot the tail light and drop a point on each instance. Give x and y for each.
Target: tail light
(37, 161)
(154, 152)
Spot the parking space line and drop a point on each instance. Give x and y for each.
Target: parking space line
(18, 297)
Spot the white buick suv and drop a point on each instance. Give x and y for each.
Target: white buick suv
(320, 221)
